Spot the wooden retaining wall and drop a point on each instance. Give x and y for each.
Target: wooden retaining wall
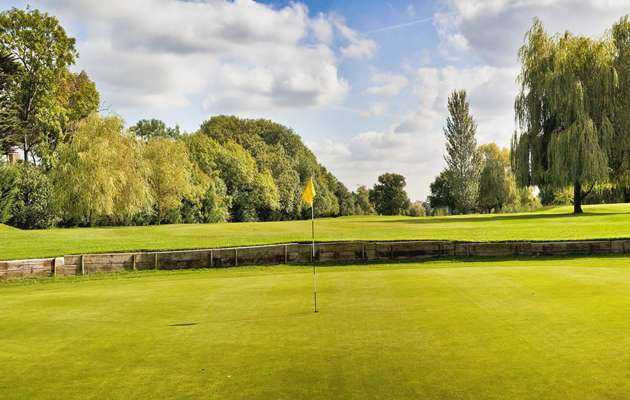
(291, 253)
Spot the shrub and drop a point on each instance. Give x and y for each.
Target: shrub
(33, 206)
(8, 191)
(416, 209)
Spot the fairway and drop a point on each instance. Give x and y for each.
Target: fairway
(598, 221)
(520, 329)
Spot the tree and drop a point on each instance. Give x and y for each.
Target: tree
(33, 204)
(278, 149)
(416, 209)
(441, 193)
(154, 128)
(8, 191)
(79, 97)
(462, 159)
(43, 52)
(8, 116)
(254, 193)
(100, 174)
(564, 109)
(496, 185)
(620, 160)
(363, 206)
(215, 203)
(389, 196)
(170, 174)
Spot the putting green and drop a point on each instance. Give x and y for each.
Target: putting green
(524, 329)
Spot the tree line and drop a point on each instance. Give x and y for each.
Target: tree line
(83, 168)
(573, 142)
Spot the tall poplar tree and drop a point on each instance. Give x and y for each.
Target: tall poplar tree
(463, 163)
(564, 109)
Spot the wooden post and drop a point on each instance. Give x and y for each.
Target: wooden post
(155, 263)
(133, 261)
(363, 253)
(54, 267)
(286, 253)
(82, 265)
(236, 257)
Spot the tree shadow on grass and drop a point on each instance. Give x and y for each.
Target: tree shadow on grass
(494, 217)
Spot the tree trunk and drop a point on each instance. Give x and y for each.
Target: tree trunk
(626, 195)
(577, 198)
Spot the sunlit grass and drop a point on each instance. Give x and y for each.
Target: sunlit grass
(600, 221)
(526, 329)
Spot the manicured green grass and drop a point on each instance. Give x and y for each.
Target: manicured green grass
(605, 221)
(523, 329)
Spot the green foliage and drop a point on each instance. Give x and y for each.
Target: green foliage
(497, 187)
(33, 204)
(100, 174)
(620, 157)
(43, 52)
(441, 196)
(416, 209)
(363, 205)
(154, 128)
(8, 115)
(79, 97)
(215, 203)
(462, 159)
(389, 196)
(278, 150)
(169, 175)
(8, 191)
(565, 108)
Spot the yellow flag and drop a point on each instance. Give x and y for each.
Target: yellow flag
(309, 192)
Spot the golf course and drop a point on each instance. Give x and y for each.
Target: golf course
(557, 223)
(548, 327)
(527, 329)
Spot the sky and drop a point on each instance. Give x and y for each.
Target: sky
(364, 83)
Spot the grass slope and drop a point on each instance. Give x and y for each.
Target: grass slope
(528, 329)
(602, 221)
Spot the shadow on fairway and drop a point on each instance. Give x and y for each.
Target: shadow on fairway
(492, 218)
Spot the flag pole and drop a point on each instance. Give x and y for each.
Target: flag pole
(313, 255)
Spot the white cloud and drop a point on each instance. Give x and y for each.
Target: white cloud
(235, 56)
(375, 110)
(358, 47)
(414, 145)
(493, 30)
(387, 84)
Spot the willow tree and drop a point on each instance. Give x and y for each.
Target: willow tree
(621, 122)
(564, 110)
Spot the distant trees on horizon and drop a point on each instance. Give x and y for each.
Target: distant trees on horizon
(82, 168)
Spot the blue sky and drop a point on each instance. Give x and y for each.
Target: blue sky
(364, 83)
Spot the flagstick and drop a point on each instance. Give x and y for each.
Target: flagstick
(313, 256)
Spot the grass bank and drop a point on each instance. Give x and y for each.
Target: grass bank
(599, 221)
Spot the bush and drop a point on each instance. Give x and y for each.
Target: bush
(416, 209)
(33, 206)
(8, 191)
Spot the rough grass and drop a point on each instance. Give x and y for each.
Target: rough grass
(525, 329)
(601, 221)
